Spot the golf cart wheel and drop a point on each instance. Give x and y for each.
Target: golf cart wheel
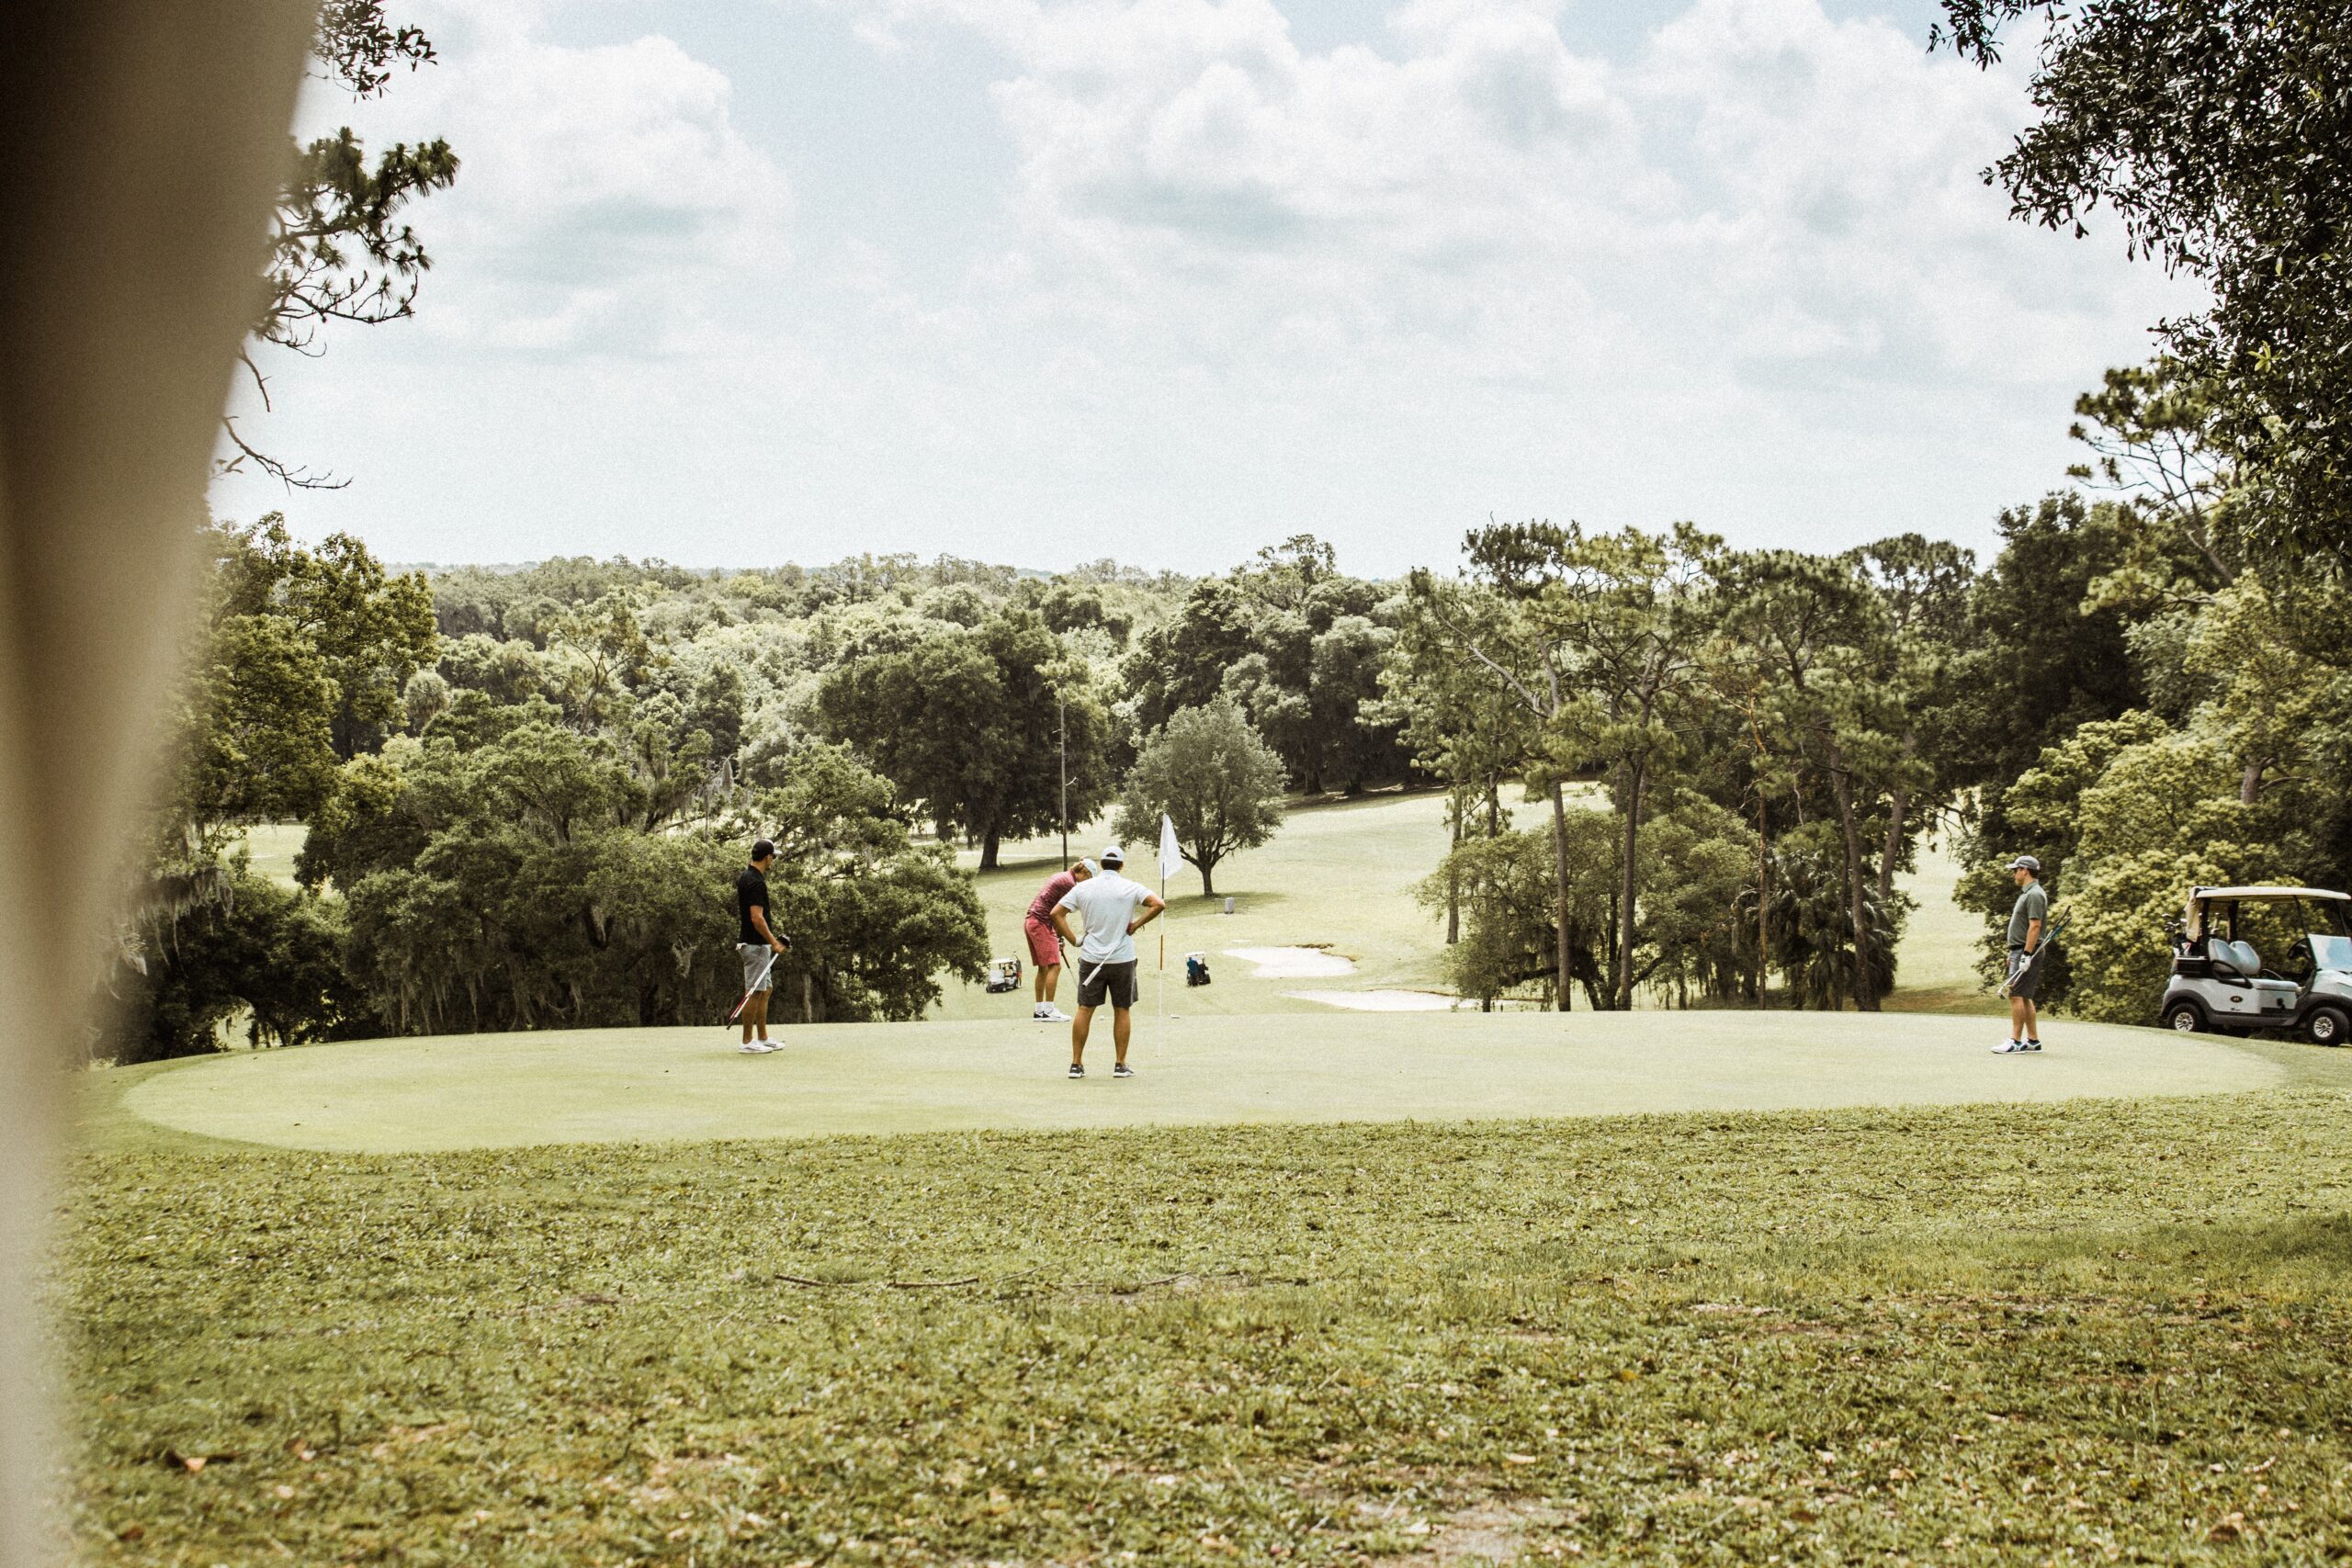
(2328, 1026)
(2185, 1017)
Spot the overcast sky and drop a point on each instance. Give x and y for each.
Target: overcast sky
(1167, 279)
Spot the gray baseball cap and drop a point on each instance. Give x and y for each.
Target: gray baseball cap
(2024, 863)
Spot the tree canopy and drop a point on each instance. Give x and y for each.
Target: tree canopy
(2216, 131)
(1215, 778)
(340, 250)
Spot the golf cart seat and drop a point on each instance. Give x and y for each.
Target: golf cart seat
(2235, 957)
(2239, 960)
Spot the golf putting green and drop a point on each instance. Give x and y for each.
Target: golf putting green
(622, 1086)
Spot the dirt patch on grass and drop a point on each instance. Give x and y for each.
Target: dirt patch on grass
(1490, 1530)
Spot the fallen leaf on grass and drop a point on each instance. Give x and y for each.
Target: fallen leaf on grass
(193, 1464)
(1518, 1458)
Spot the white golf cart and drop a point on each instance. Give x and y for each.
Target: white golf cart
(2218, 981)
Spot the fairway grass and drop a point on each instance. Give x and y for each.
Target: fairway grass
(1341, 876)
(1338, 875)
(619, 1086)
(2081, 1332)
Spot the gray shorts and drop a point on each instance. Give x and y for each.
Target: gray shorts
(2025, 972)
(759, 975)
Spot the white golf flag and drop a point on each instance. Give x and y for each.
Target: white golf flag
(1171, 858)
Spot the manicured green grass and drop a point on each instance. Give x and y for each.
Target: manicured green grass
(1935, 966)
(395, 1096)
(2079, 1333)
(274, 847)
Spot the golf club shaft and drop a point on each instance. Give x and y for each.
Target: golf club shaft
(753, 988)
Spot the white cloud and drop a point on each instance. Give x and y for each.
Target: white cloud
(1216, 287)
(603, 191)
(1763, 221)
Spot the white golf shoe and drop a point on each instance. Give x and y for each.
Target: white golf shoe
(1051, 1014)
(758, 1047)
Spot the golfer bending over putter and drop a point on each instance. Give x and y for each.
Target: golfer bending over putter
(1045, 943)
(758, 945)
(1106, 954)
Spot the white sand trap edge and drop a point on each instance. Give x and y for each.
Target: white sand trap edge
(1293, 963)
(1379, 1001)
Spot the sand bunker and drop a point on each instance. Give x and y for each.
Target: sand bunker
(1379, 1001)
(1293, 963)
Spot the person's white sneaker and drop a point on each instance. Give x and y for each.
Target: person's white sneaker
(758, 1047)
(1053, 1015)
(2006, 1047)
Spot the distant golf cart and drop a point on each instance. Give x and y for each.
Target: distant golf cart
(2219, 983)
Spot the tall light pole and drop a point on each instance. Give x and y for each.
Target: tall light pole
(1062, 720)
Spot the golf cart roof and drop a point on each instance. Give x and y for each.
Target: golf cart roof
(2267, 892)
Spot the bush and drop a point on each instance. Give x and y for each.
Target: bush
(251, 947)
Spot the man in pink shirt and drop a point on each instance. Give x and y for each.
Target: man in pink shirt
(1045, 943)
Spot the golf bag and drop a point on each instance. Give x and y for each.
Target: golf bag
(1196, 968)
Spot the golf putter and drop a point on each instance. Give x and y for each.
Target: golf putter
(753, 988)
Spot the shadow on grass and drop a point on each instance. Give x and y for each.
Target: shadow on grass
(1971, 1001)
(1386, 794)
(1244, 903)
(2307, 1256)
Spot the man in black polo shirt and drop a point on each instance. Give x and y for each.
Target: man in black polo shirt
(759, 946)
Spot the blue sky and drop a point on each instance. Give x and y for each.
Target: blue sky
(1038, 281)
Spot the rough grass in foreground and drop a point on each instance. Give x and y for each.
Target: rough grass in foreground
(2087, 1333)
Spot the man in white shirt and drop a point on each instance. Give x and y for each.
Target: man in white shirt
(1107, 905)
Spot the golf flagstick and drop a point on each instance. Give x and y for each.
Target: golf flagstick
(1171, 855)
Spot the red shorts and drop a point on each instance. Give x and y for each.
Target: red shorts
(1045, 946)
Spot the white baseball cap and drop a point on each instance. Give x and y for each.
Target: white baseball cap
(1112, 856)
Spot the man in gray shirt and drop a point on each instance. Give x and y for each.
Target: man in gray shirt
(2029, 922)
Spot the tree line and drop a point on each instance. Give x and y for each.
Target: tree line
(1675, 771)
(518, 783)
